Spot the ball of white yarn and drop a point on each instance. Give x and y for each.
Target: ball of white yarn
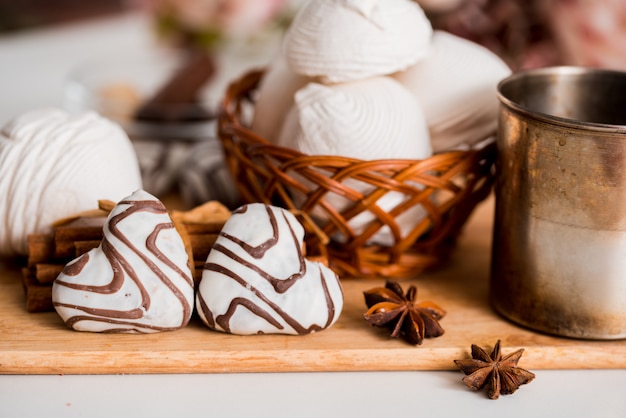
(53, 165)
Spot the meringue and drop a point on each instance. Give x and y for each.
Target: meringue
(257, 281)
(275, 96)
(346, 40)
(456, 84)
(371, 119)
(54, 165)
(138, 280)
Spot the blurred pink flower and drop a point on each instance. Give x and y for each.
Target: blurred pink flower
(537, 33)
(591, 32)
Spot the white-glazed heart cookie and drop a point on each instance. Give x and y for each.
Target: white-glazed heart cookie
(138, 279)
(257, 281)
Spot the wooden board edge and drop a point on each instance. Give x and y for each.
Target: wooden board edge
(263, 361)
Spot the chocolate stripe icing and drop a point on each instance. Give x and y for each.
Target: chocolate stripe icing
(260, 250)
(281, 285)
(122, 269)
(330, 305)
(223, 320)
(254, 270)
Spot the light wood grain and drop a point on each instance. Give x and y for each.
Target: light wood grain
(41, 344)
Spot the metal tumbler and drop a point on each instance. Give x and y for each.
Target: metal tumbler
(559, 240)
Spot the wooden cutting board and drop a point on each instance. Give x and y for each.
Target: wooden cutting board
(39, 343)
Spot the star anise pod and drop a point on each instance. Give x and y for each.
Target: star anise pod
(390, 307)
(500, 374)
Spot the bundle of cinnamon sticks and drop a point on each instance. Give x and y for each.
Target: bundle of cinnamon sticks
(69, 238)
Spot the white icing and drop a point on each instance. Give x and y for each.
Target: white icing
(53, 165)
(344, 40)
(156, 284)
(457, 86)
(313, 302)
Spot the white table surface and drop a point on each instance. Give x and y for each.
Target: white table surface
(33, 69)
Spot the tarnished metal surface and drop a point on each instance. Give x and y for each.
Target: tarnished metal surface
(559, 247)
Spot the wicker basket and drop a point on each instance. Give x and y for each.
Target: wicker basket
(447, 186)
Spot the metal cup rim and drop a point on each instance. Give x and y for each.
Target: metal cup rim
(552, 119)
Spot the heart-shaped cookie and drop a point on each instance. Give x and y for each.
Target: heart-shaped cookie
(256, 279)
(138, 280)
